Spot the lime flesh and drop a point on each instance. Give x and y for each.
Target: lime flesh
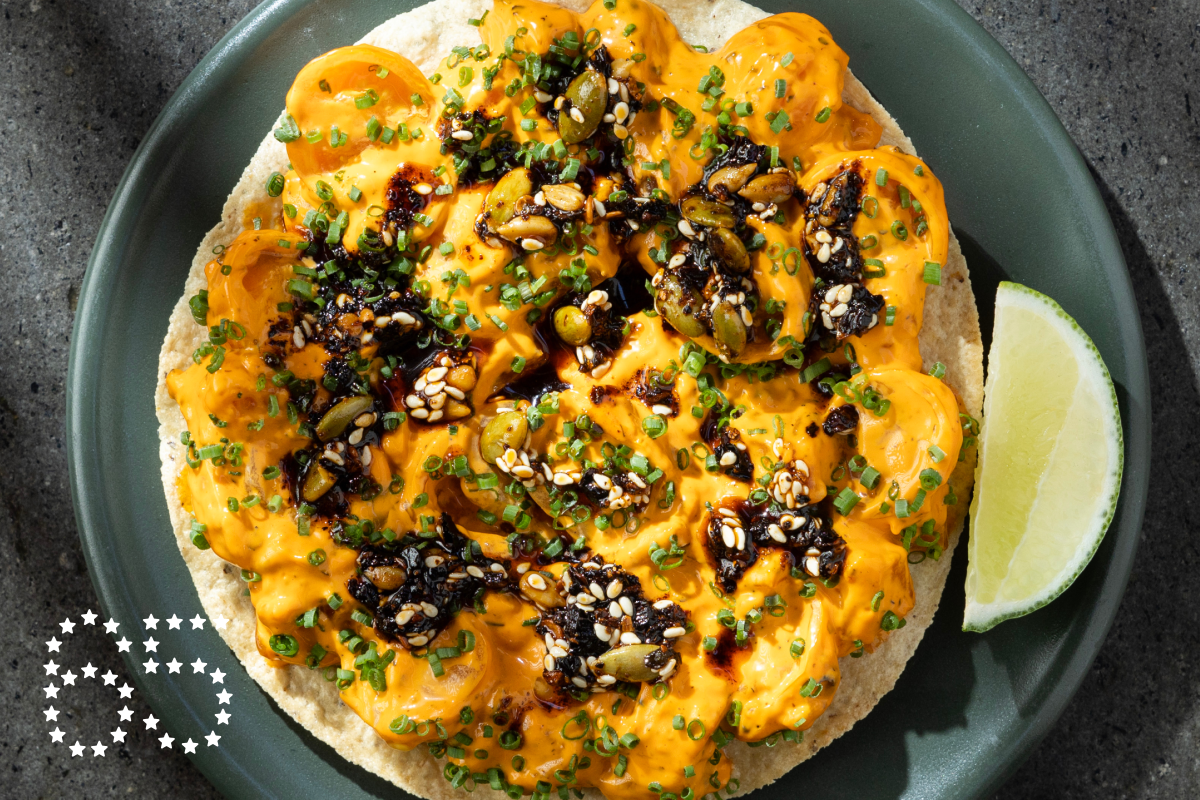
(1050, 460)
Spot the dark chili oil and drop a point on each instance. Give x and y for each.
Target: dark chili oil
(723, 658)
(816, 530)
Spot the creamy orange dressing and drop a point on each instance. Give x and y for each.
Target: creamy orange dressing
(788, 674)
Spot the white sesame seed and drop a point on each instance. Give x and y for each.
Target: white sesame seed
(629, 637)
(542, 97)
(614, 610)
(463, 136)
(404, 617)
(550, 663)
(839, 310)
(417, 641)
(727, 536)
(558, 652)
(729, 458)
(661, 410)
(577, 115)
(423, 189)
(823, 254)
(536, 581)
(626, 605)
(531, 244)
(674, 633)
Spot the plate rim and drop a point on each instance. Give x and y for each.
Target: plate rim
(106, 260)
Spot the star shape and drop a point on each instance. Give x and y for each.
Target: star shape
(222, 717)
(68, 678)
(219, 623)
(119, 735)
(198, 667)
(212, 739)
(99, 749)
(52, 668)
(151, 722)
(51, 714)
(89, 618)
(67, 626)
(173, 622)
(173, 666)
(151, 645)
(77, 749)
(57, 735)
(111, 626)
(123, 645)
(51, 691)
(110, 678)
(151, 666)
(151, 623)
(89, 671)
(125, 691)
(125, 714)
(54, 644)
(166, 740)
(217, 676)
(189, 746)
(197, 622)
(223, 697)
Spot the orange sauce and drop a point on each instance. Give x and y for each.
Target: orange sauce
(788, 675)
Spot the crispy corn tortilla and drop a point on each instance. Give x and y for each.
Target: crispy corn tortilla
(950, 335)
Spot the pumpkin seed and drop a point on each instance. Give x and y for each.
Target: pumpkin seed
(563, 197)
(317, 482)
(588, 93)
(673, 301)
(706, 212)
(729, 250)
(543, 690)
(828, 213)
(572, 326)
(385, 576)
(340, 416)
(728, 180)
(774, 187)
(628, 663)
(547, 596)
(462, 377)
(538, 228)
(728, 329)
(502, 432)
(501, 202)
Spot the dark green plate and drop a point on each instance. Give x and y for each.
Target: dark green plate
(968, 707)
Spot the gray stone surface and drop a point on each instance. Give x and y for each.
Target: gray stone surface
(83, 80)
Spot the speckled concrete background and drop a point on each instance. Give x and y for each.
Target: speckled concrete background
(82, 81)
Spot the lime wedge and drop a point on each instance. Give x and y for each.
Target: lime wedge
(1050, 459)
